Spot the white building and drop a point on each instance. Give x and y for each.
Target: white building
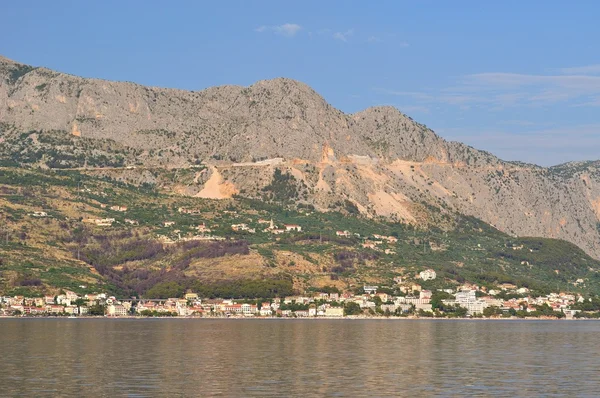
(370, 289)
(428, 274)
(116, 310)
(334, 311)
(468, 299)
(292, 227)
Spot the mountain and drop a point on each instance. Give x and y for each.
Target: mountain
(279, 141)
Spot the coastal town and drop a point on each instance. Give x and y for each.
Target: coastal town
(468, 301)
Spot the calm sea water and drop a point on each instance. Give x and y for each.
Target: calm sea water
(298, 358)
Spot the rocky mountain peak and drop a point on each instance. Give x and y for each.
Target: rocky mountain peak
(378, 159)
(4, 60)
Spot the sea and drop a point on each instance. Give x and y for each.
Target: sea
(298, 358)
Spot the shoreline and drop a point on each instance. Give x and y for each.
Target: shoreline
(295, 319)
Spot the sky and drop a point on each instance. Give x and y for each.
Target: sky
(520, 79)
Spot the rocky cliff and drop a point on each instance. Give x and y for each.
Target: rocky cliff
(378, 161)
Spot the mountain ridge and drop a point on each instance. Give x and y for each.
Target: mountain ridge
(379, 159)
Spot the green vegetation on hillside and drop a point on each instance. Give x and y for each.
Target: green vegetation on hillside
(154, 248)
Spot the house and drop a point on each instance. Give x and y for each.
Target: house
(468, 299)
(55, 309)
(197, 311)
(101, 222)
(116, 310)
(424, 307)
(425, 294)
(183, 210)
(239, 227)
(72, 296)
(245, 309)
(149, 306)
(249, 309)
(33, 310)
(191, 296)
(168, 223)
(118, 208)
(427, 275)
(277, 231)
(40, 214)
(415, 288)
(265, 310)
(370, 289)
(72, 310)
(292, 227)
(19, 308)
(343, 234)
(507, 286)
(63, 300)
(132, 222)
(202, 228)
(321, 296)
(384, 297)
(301, 313)
(91, 298)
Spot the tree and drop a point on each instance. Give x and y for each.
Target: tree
(491, 311)
(437, 297)
(165, 290)
(97, 310)
(352, 308)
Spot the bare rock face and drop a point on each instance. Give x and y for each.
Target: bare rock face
(378, 160)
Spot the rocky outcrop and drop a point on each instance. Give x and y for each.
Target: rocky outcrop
(378, 160)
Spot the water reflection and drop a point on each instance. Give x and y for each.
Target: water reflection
(345, 358)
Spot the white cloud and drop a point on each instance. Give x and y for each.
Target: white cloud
(513, 89)
(538, 140)
(517, 122)
(506, 80)
(343, 36)
(452, 99)
(582, 70)
(287, 29)
(499, 90)
(543, 146)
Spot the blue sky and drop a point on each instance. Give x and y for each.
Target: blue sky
(518, 78)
